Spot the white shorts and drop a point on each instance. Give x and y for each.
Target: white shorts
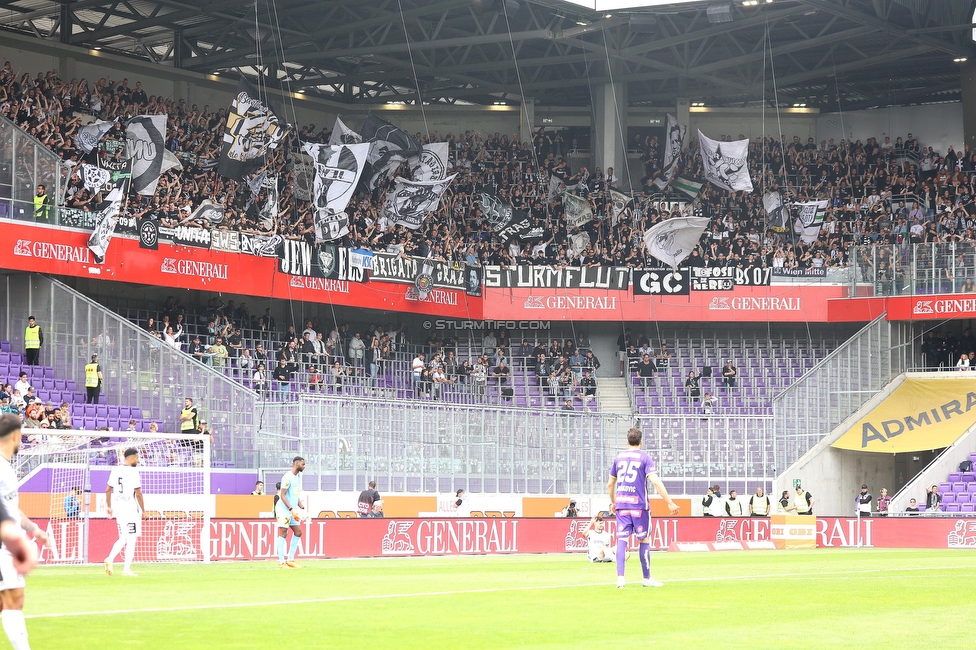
(9, 578)
(594, 555)
(129, 525)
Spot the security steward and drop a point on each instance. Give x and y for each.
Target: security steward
(803, 501)
(93, 380)
(759, 504)
(189, 422)
(42, 203)
(33, 340)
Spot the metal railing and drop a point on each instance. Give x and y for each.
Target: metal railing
(838, 386)
(916, 269)
(26, 163)
(139, 369)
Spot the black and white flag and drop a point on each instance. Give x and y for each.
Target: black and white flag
(775, 212)
(91, 134)
(431, 164)
(101, 237)
(506, 221)
(672, 240)
(557, 188)
(726, 163)
(389, 147)
(673, 142)
(94, 177)
(809, 219)
(144, 144)
(578, 211)
(254, 183)
(269, 212)
(303, 177)
(409, 202)
(207, 211)
(342, 134)
(617, 206)
(252, 128)
(337, 172)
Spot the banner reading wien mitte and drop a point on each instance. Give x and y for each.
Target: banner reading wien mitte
(920, 414)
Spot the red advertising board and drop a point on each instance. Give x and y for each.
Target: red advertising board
(253, 539)
(936, 307)
(777, 303)
(61, 251)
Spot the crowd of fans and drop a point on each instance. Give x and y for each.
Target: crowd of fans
(885, 192)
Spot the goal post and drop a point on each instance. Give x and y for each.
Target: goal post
(63, 476)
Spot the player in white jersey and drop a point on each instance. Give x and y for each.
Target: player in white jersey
(287, 514)
(598, 541)
(11, 578)
(123, 497)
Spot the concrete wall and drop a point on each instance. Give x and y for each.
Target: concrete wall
(716, 123)
(935, 125)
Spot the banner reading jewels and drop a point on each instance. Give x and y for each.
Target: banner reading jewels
(391, 267)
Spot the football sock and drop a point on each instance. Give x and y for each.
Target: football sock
(294, 547)
(280, 545)
(130, 552)
(621, 555)
(645, 559)
(15, 628)
(117, 548)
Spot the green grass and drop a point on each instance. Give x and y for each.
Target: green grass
(760, 599)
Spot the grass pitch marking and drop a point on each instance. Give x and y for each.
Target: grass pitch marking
(461, 592)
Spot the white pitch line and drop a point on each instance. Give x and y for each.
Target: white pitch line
(460, 592)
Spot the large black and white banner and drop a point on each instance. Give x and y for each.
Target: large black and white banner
(578, 211)
(206, 212)
(507, 222)
(228, 241)
(389, 147)
(672, 240)
(337, 172)
(101, 237)
(393, 267)
(252, 128)
(614, 278)
(261, 245)
(674, 139)
(269, 211)
(661, 282)
(90, 134)
(94, 177)
(726, 163)
(431, 164)
(618, 203)
(328, 261)
(120, 173)
(410, 202)
(303, 181)
(144, 145)
(727, 278)
(342, 134)
(809, 218)
(186, 236)
(475, 277)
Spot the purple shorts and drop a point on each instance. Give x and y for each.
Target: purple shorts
(636, 522)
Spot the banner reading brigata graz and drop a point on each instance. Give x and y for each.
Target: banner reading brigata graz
(238, 266)
(254, 539)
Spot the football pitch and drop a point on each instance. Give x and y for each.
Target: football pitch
(857, 598)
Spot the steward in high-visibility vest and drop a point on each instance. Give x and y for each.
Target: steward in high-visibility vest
(803, 501)
(93, 380)
(42, 204)
(188, 417)
(33, 340)
(759, 503)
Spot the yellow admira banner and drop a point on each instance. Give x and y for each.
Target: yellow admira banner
(920, 414)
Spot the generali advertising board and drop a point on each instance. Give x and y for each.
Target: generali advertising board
(253, 539)
(777, 303)
(60, 251)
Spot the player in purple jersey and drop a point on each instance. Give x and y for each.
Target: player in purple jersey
(629, 475)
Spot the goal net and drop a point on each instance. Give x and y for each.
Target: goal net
(62, 487)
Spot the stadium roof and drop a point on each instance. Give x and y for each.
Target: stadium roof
(828, 54)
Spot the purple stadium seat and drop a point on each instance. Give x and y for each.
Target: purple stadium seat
(955, 477)
(971, 488)
(60, 384)
(948, 498)
(967, 507)
(963, 497)
(967, 477)
(5, 346)
(952, 507)
(114, 412)
(88, 410)
(47, 372)
(958, 486)
(945, 487)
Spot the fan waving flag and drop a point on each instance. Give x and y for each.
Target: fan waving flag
(94, 177)
(775, 213)
(578, 211)
(506, 221)
(675, 138)
(672, 240)
(409, 203)
(431, 164)
(342, 134)
(726, 163)
(101, 237)
(389, 147)
(252, 128)
(144, 145)
(91, 134)
(617, 206)
(337, 172)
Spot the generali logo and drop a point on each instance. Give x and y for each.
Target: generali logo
(719, 304)
(205, 270)
(48, 251)
(534, 302)
(397, 539)
(963, 535)
(575, 539)
(923, 307)
(451, 537)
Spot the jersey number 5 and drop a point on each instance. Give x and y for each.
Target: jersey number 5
(628, 470)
